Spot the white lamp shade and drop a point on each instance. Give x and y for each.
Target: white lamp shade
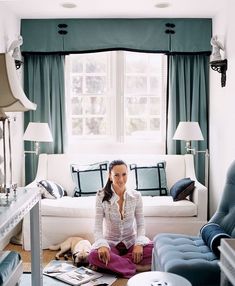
(188, 131)
(38, 132)
(12, 96)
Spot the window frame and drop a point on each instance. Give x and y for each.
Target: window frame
(116, 136)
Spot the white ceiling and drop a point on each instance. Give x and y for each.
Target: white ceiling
(113, 8)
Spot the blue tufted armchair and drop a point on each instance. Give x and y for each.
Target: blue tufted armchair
(190, 256)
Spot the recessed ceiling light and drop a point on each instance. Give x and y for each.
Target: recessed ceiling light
(68, 5)
(162, 5)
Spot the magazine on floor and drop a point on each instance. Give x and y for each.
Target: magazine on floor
(69, 273)
(63, 270)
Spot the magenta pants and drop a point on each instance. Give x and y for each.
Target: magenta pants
(122, 264)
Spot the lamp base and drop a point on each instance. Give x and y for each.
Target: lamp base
(7, 195)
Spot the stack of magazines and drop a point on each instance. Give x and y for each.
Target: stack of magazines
(70, 274)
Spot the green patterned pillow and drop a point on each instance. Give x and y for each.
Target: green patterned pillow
(89, 179)
(150, 180)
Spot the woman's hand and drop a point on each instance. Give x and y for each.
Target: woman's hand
(104, 254)
(137, 254)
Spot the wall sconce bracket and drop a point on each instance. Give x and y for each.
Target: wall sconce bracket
(221, 67)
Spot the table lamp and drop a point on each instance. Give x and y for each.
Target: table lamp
(37, 132)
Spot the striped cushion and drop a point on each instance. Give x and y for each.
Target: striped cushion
(51, 190)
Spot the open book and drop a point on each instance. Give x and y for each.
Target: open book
(69, 273)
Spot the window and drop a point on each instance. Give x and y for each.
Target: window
(116, 96)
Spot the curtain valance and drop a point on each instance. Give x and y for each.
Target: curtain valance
(188, 35)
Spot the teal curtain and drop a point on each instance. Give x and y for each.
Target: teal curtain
(44, 85)
(188, 96)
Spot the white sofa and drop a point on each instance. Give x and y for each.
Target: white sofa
(71, 216)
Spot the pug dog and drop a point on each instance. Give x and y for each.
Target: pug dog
(79, 248)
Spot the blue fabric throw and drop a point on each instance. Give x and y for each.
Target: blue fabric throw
(211, 234)
(8, 262)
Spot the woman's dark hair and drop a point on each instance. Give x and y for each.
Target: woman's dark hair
(107, 188)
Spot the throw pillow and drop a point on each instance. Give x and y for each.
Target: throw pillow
(182, 188)
(89, 179)
(211, 234)
(150, 180)
(51, 190)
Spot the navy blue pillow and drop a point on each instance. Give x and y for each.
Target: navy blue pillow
(211, 234)
(182, 188)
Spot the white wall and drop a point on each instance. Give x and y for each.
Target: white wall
(222, 108)
(9, 30)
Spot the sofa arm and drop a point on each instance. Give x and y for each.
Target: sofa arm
(33, 184)
(200, 193)
(199, 197)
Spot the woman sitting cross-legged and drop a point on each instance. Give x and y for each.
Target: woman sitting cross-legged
(121, 246)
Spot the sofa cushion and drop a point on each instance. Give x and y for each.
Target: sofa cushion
(51, 190)
(89, 178)
(187, 256)
(150, 180)
(212, 233)
(164, 206)
(182, 189)
(84, 207)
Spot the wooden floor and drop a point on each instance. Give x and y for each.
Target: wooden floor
(48, 255)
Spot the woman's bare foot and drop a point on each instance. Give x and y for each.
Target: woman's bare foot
(143, 268)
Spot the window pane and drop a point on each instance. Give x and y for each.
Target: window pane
(155, 106)
(95, 126)
(76, 85)
(77, 64)
(155, 63)
(136, 105)
(154, 85)
(155, 124)
(95, 84)
(136, 64)
(95, 105)
(76, 106)
(144, 79)
(135, 124)
(96, 64)
(88, 76)
(77, 128)
(135, 84)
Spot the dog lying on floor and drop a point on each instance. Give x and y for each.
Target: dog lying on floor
(79, 247)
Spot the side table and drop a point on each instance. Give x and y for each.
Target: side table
(157, 278)
(22, 202)
(227, 261)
